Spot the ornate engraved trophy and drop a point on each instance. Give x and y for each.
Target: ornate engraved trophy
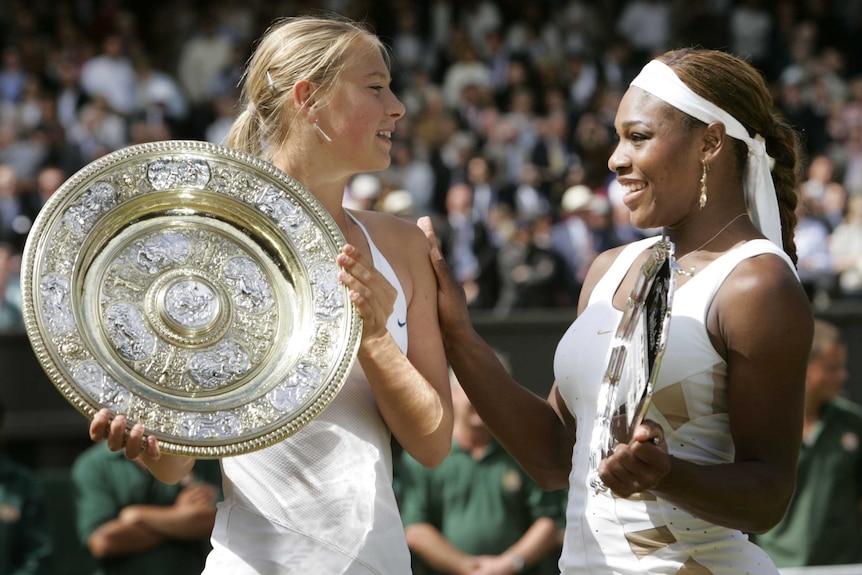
(634, 358)
(194, 289)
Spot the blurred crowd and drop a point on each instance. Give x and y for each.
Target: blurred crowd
(509, 124)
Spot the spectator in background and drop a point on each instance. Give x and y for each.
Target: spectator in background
(852, 156)
(820, 174)
(110, 75)
(751, 26)
(12, 77)
(552, 154)
(11, 317)
(48, 180)
(481, 173)
(158, 96)
(600, 221)
(467, 70)
(409, 46)
(14, 223)
(647, 24)
(532, 274)
(25, 539)
(571, 237)
(801, 115)
(478, 511)
(224, 114)
(834, 204)
(203, 57)
(363, 192)
(845, 249)
(133, 524)
(582, 81)
(582, 26)
(469, 246)
(413, 174)
(528, 197)
(399, 203)
(99, 131)
(812, 248)
(70, 96)
(24, 151)
(823, 524)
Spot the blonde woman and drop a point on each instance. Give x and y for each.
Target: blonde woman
(318, 105)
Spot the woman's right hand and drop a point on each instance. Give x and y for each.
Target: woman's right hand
(452, 308)
(145, 448)
(134, 443)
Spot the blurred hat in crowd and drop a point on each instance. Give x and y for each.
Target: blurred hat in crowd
(600, 204)
(365, 187)
(576, 198)
(398, 203)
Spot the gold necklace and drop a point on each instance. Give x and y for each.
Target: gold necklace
(690, 272)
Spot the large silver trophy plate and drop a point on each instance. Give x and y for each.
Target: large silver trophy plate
(634, 357)
(194, 289)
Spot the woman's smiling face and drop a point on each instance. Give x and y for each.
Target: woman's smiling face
(657, 160)
(361, 117)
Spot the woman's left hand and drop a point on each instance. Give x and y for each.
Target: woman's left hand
(640, 464)
(371, 293)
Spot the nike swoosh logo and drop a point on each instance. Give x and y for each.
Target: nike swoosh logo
(401, 323)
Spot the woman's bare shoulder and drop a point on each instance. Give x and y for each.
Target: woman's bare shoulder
(763, 291)
(392, 235)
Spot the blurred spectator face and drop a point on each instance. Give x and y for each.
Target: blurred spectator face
(463, 410)
(854, 209)
(68, 73)
(477, 170)
(8, 181)
(459, 199)
(827, 372)
(821, 169)
(49, 180)
(113, 46)
(834, 198)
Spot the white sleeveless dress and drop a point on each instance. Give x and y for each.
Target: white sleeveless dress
(321, 501)
(610, 535)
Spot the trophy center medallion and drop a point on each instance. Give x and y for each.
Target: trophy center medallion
(190, 305)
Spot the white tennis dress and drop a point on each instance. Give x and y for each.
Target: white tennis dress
(606, 534)
(321, 501)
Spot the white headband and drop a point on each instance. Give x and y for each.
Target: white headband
(661, 81)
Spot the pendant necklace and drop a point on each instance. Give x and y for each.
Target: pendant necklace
(690, 271)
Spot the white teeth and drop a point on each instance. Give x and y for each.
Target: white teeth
(629, 188)
(384, 133)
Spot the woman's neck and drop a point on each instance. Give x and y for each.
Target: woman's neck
(326, 187)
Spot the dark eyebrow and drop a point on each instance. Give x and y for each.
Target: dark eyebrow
(630, 123)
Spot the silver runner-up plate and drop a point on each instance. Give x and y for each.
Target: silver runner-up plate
(194, 289)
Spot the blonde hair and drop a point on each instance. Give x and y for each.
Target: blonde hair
(312, 48)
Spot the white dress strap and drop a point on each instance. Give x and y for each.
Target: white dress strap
(397, 322)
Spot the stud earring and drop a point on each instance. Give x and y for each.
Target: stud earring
(703, 185)
(319, 129)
